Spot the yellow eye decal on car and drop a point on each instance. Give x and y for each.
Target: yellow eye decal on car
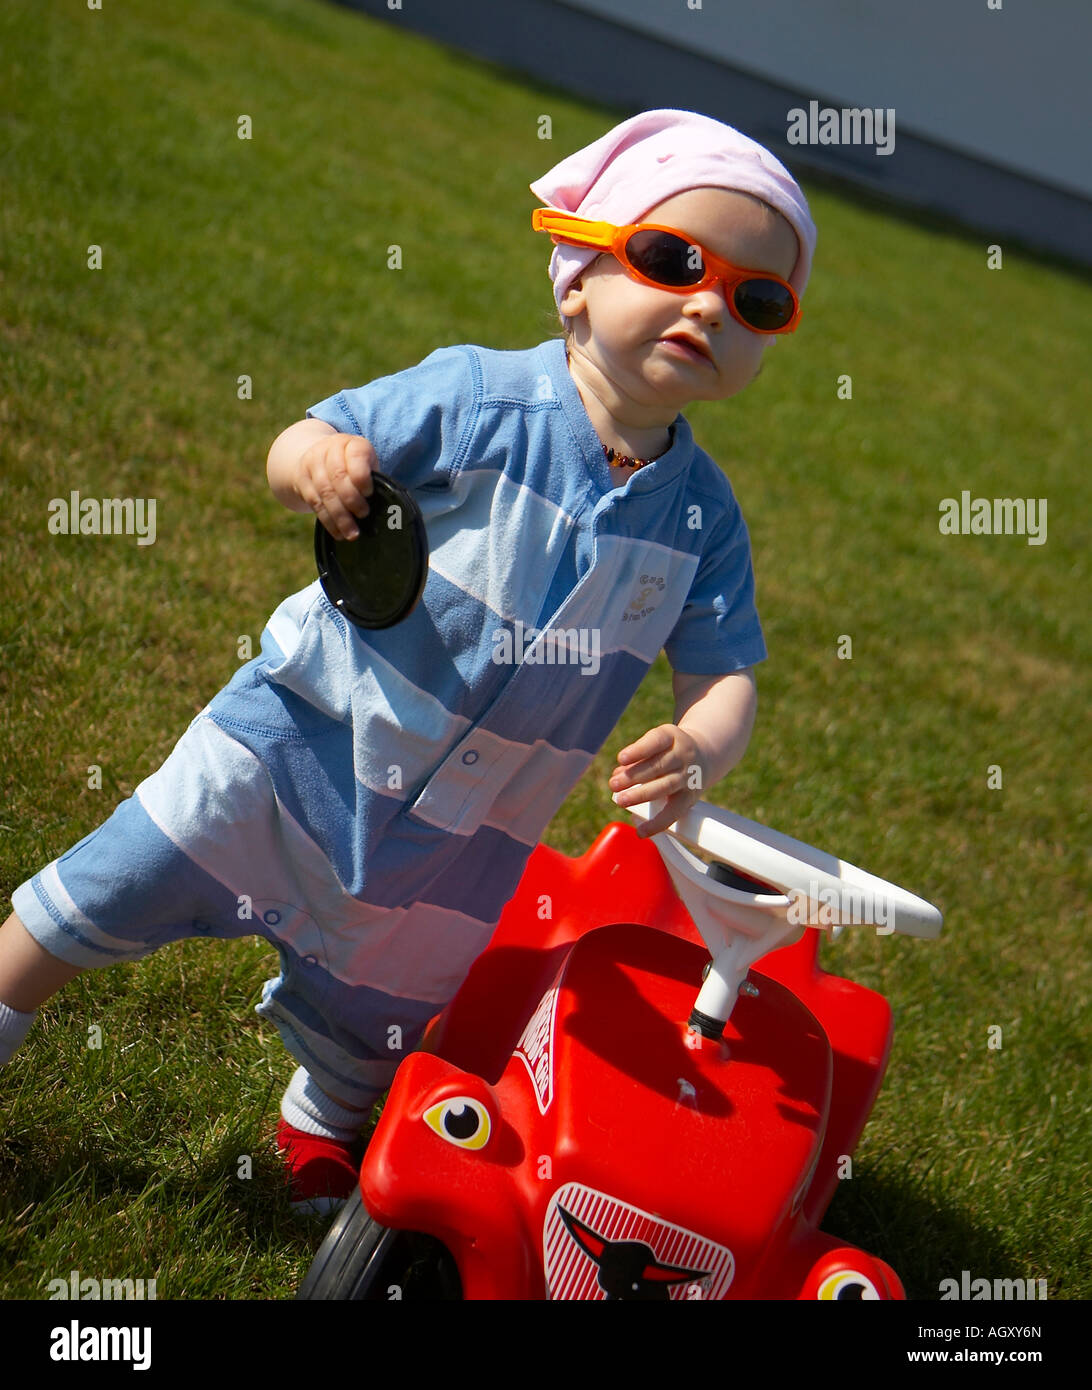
(847, 1284)
(461, 1121)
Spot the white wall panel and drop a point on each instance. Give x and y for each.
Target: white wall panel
(1009, 86)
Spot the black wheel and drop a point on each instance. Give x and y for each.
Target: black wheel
(360, 1260)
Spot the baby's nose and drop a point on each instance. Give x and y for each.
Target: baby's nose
(710, 303)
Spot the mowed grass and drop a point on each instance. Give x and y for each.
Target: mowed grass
(151, 1156)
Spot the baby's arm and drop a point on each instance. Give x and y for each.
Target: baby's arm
(313, 468)
(714, 716)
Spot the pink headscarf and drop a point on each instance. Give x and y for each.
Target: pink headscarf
(650, 158)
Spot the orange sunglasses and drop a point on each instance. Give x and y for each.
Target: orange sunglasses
(667, 259)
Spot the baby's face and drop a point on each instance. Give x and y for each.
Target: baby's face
(623, 330)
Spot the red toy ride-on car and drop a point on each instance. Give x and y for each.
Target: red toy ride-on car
(643, 1090)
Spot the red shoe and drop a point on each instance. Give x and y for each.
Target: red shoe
(321, 1172)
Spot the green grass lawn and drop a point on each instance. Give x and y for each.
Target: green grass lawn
(267, 258)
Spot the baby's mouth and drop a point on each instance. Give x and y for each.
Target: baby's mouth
(692, 348)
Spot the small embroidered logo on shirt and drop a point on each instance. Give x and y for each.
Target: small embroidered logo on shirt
(646, 600)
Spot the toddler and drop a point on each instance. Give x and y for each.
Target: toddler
(366, 800)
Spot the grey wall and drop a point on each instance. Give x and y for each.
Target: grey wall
(1007, 86)
(990, 131)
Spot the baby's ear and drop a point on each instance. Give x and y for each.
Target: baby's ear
(574, 301)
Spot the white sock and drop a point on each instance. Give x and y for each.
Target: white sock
(14, 1027)
(305, 1106)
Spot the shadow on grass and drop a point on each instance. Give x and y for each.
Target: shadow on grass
(939, 224)
(144, 1202)
(922, 1239)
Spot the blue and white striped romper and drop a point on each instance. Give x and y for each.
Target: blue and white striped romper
(370, 798)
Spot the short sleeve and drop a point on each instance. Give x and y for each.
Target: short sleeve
(718, 630)
(419, 421)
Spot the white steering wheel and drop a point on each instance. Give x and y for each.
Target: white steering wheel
(810, 888)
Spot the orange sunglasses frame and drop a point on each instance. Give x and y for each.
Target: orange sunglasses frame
(605, 236)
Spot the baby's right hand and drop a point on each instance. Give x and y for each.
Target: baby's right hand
(334, 478)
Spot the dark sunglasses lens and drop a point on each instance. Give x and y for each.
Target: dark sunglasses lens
(667, 259)
(764, 304)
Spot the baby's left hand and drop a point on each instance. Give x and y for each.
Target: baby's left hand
(665, 762)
